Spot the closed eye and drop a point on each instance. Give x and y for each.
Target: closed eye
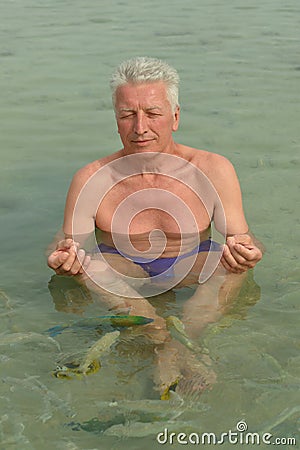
(153, 114)
(125, 116)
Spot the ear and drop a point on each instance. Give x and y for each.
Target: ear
(176, 119)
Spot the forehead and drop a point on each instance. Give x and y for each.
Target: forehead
(133, 95)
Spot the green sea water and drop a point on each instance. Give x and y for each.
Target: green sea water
(240, 81)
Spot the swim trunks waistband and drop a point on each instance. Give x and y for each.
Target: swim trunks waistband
(163, 265)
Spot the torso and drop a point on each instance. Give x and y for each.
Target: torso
(163, 204)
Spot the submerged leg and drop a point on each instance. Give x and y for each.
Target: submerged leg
(210, 301)
(176, 364)
(116, 293)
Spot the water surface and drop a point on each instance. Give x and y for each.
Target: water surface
(240, 71)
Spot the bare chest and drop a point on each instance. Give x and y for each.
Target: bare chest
(146, 202)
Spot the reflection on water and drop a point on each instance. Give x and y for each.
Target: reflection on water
(239, 66)
(68, 296)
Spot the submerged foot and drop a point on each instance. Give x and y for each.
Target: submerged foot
(190, 389)
(198, 376)
(183, 372)
(167, 373)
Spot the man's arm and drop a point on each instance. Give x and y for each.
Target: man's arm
(242, 251)
(68, 258)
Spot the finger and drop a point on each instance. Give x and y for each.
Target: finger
(243, 239)
(56, 259)
(77, 264)
(85, 264)
(238, 254)
(242, 253)
(251, 255)
(230, 268)
(225, 264)
(67, 244)
(66, 266)
(231, 261)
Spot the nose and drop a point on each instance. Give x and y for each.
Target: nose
(140, 124)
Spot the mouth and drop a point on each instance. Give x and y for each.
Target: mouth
(141, 141)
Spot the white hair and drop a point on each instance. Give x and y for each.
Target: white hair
(146, 70)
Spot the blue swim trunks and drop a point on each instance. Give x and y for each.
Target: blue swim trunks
(163, 266)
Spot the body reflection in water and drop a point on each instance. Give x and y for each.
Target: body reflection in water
(68, 296)
(221, 300)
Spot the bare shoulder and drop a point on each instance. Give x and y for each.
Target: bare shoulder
(216, 167)
(212, 164)
(86, 172)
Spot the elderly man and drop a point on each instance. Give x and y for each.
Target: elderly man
(153, 203)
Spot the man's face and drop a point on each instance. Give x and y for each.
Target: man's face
(144, 117)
